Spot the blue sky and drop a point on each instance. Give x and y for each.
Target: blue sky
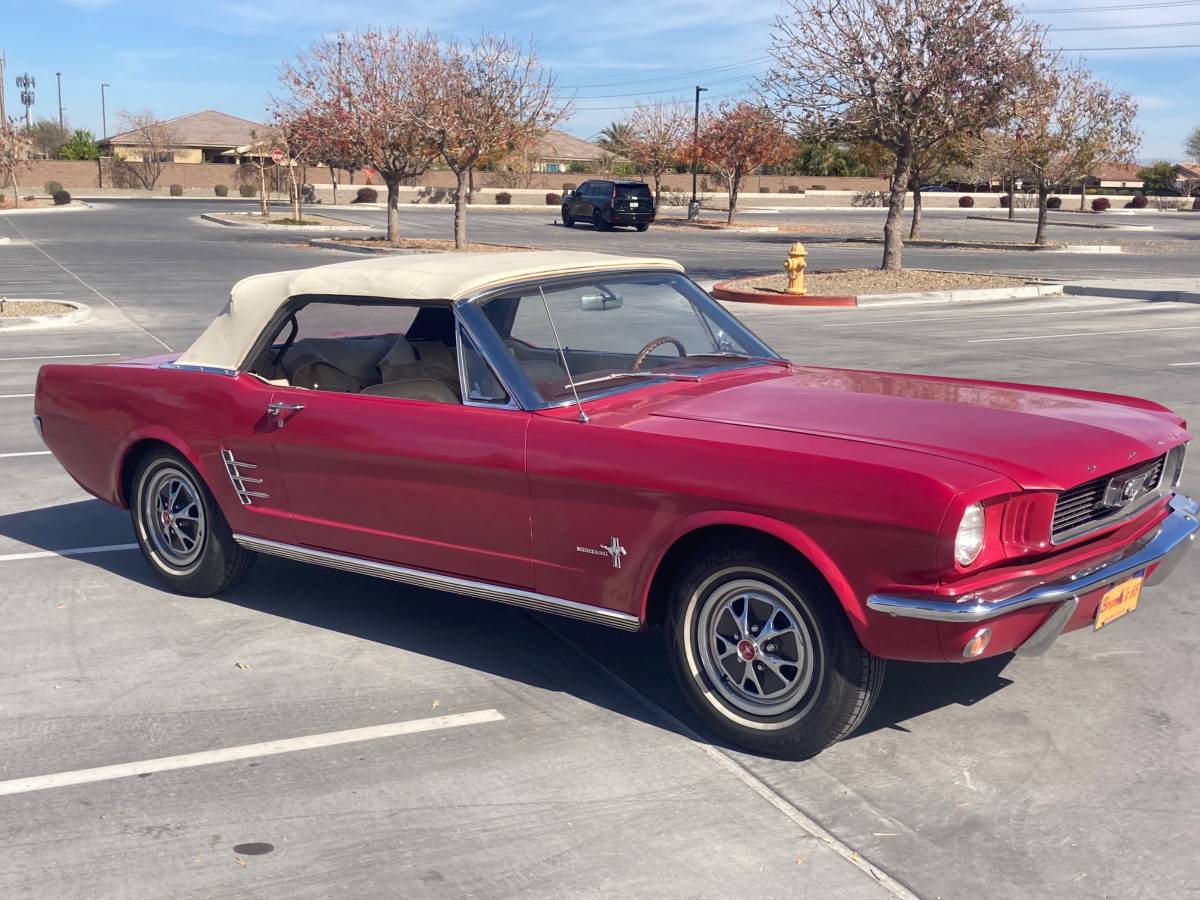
(224, 54)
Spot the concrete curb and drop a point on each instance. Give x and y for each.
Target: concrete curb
(722, 291)
(967, 295)
(1059, 223)
(328, 244)
(991, 245)
(216, 218)
(82, 313)
(73, 206)
(1083, 290)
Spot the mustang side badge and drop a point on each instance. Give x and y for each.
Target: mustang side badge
(614, 550)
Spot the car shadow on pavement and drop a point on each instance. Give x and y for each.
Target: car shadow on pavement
(545, 652)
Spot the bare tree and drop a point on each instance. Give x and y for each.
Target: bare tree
(303, 137)
(15, 149)
(1073, 122)
(906, 75)
(488, 98)
(256, 162)
(658, 139)
(737, 139)
(155, 144)
(363, 87)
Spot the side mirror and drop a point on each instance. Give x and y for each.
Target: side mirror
(567, 195)
(600, 302)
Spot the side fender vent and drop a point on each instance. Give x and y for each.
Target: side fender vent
(241, 482)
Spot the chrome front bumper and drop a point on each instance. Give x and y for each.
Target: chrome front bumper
(1163, 545)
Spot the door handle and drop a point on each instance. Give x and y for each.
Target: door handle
(277, 408)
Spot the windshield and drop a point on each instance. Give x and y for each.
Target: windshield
(633, 192)
(616, 330)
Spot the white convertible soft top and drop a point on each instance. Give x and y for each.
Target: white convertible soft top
(426, 276)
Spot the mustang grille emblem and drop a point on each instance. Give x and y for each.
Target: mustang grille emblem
(614, 551)
(1121, 491)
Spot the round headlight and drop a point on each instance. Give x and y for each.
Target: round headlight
(969, 540)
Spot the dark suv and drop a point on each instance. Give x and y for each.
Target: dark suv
(608, 203)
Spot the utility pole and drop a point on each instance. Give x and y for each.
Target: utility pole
(58, 75)
(103, 110)
(27, 83)
(694, 205)
(3, 113)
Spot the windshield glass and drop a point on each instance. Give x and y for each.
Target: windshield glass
(616, 330)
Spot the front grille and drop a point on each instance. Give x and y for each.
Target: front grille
(1083, 506)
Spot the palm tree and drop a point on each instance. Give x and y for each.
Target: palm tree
(615, 138)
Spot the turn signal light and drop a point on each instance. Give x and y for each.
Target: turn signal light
(978, 643)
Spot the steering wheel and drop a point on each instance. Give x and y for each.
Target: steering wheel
(654, 345)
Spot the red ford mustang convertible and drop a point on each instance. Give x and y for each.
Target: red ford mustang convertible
(594, 436)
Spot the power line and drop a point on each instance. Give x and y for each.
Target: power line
(1126, 27)
(669, 90)
(605, 84)
(1139, 47)
(1163, 4)
(619, 108)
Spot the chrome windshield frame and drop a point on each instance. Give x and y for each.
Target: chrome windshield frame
(504, 364)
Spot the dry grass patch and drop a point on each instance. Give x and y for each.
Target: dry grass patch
(382, 244)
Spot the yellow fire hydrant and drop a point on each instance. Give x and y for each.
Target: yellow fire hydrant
(794, 265)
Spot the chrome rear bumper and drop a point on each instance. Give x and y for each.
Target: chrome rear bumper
(1164, 545)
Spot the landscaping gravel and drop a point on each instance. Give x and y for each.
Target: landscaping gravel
(428, 244)
(15, 309)
(877, 281)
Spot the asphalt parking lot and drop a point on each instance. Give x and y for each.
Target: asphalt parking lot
(493, 753)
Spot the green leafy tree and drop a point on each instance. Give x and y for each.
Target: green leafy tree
(1192, 145)
(80, 145)
(1157, 176)
(45, 137)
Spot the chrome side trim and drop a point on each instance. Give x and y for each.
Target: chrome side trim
(210, 370)
(436, 581)
(1163, 545)
(233, 469)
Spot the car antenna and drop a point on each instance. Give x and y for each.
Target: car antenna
(563, 356)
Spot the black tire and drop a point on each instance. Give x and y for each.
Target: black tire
(833, 680)
(567, 219)
(598, 221)
(181, 530)
(642, 226)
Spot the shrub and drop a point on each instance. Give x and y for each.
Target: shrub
(816, 187)
(366, 195)
(177, 190)
(569, 186)
(248, 190)
(221, 190)
(503, 198)
(61, 197)
(28, 197)
(792, 189)
(1141, 201)
(1054, 203)
(763, 189)
(53, 187)
(1100, 204)
(1004, 198)
(966, 202)
(553, 199)
(1, 199)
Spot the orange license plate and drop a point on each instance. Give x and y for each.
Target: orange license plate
(1118, 601)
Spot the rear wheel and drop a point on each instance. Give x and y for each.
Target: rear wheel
(598, 221)
(642, 226)
(180, 529)
(765, 654)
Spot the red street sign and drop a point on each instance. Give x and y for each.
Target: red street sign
(277, 155)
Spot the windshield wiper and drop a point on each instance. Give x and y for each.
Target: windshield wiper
(773, 360)
(678, 376)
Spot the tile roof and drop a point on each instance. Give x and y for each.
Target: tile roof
(560, 145)
(208, 128)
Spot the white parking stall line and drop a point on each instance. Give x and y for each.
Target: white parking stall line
(73, 551)
(65, 356)
(1184, 364)
(1067, 334)
(247, 751)
(14, 396)
(25, 453)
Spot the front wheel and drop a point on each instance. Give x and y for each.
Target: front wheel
(180, 529)
(567, 219)
(764, 653)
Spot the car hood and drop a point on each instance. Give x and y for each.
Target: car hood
(1039, 437)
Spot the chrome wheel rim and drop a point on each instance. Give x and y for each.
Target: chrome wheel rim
(173, 518)
(756, 647)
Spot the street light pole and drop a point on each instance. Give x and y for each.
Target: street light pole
(58, 75)
(694, 206)
(103, 109)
